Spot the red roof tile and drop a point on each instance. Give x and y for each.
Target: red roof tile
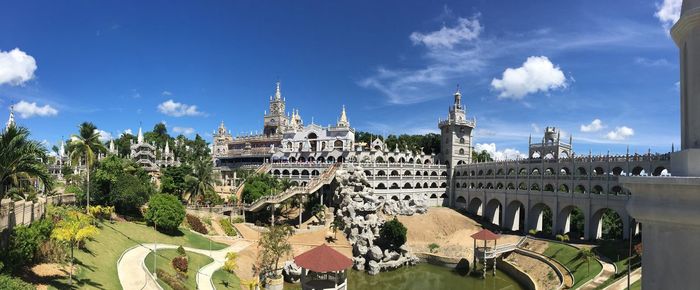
(485, 235)
(323, 259)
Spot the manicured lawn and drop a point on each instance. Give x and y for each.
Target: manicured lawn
(195, 262)
(224, 280)
(618, 252)
(97, 263)
(636, 285)
(568, 256)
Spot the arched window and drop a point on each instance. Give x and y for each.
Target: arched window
(461, 151)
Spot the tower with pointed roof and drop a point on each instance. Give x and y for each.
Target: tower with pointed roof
(11, 119)
(276, 118)
(343, 120)
(456, 134)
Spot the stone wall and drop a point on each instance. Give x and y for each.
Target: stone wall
(519, 275)
(21, 212)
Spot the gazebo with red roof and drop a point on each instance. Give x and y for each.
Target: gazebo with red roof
(323, 268)
(485, 235)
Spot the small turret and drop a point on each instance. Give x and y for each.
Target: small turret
(11, 119)
(278, 92)
(343, 121)
(139, 138)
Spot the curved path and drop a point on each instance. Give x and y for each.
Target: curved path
(134, 275)
(607, 273)
(621, 284)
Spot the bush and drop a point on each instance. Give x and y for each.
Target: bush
(51, 251)
(565, 237)
(12, 283)
(559, 238)
(238, 220)
(165, 211)
(393, 234)
(24, 243)
(532, 232)
(228, 227)
(196, 224)
(433, 247)
(173, 282)
(181, 251)
(101, 212)
(180, 264)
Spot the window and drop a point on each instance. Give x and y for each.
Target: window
(461, 151)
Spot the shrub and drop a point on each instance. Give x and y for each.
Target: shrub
(559, 238)
(180, 264)
(24, 242)
(173, 282)
(101, 212)
(228, 227)
(12, 283)
(565, 237)
(165, 211)
(238, 220)
(196, 224)
(393, 234)
(433, 247)
(181, 251)
(51, 251)
(532, 232)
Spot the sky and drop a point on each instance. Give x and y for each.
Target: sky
(605, 72)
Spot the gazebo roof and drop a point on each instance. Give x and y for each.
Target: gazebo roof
(323, 259)
(485, 235)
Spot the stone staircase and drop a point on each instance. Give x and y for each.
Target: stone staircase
(314, 185)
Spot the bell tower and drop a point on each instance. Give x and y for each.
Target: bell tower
(456, 134)
(276, 119)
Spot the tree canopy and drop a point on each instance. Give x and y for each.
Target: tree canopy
(393, 234)
(429, 142)
(121, 183)
(165, 211)
(21, 159)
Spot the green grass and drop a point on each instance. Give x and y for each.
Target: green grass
(618, 252)
(568, 256)
(195, 262)
(636, 285)
(224, 280)
(97, 263)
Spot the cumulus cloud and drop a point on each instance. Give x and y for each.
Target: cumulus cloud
(16, 67)
(104, 135)
(166, 93)
(508, 153)
(595, 126)
(465, 30)
(620, 133)
(537, 74)
(668, 12)
(127, 131)
(175, 109)
(27, 110)
(183, 130)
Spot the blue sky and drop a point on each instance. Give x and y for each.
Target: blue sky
(521, 65)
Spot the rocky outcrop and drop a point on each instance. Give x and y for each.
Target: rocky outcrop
(358, 208)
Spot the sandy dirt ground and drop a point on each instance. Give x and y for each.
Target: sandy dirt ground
(447, 228)
(544, 275)
(47, 271)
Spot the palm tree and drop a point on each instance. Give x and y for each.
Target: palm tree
(86, 145)
(202, 181)
(586, 254)
(21, 159)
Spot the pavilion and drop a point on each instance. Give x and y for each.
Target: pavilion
(485, 235)
(323, 268)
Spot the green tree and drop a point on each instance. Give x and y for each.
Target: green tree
(86, 146)
(173, 179)
(259, 185)
(231, 263)
(73, 229)
(21, 159)
(274, 245)
(393, 234)
(586, 254)
(203, 181)
(482, 156)
(121, 183)
(165, 211)
(12, 283)
(123, 144)
(337, 224)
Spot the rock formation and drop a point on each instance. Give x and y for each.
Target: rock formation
(358, 208)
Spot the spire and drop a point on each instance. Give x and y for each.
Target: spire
(458, 98)
(278, 93)
(111, 146)
(167, 147)
(139, 139)
(343, 121)
(62, 150)
(11, 120)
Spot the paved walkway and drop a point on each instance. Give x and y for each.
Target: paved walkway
(134, 275)
(607, 272)
(621, 284)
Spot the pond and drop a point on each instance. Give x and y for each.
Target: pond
(425, 276)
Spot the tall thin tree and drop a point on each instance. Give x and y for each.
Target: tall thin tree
(86, 146)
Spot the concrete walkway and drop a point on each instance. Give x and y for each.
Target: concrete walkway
(133, 273)
(621, 284)
(607, 272)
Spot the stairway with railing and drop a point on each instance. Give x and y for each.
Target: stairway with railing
(314, 185)
(500, 250)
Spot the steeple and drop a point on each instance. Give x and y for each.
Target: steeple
(62, 150)
(278, 93)
(11, 120)
(139, 138)
(458, 98)
(343, 121)
(111, 146)
(167, 147)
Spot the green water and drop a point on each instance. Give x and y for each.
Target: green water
(425, 277)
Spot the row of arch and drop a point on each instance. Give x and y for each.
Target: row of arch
(294, 172)
(392, 159)
(569, 220)
(406, 173)
(320, 159)
(408, 185)
(409, 197)
(563, 171)
(580, 188)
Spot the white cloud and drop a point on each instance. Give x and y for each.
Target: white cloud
(595, 126)
(175, 109)
(465, 30)
(537, 74)
(27, 110)
(668, 12)
(16, 67)
(104, 135)
(620, 133)
(166, 93)
(183, 130)
(652, 62)
(127, 131)
(508, 153)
